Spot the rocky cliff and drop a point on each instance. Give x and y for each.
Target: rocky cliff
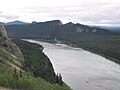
(9, 49)
(3, 33)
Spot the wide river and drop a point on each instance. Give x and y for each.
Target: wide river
(82, 70)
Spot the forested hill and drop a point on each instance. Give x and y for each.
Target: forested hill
(24, 66)
(52, 29)
(41, 29)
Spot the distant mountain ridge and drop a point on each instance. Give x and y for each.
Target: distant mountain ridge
(1, 23)
(52, 29)
(17, 22)
(40, 29)
(109, 27)
(78, 29)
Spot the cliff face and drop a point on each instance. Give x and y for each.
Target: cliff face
(3, 33)
(9, 48)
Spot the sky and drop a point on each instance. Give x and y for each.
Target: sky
(90, 12)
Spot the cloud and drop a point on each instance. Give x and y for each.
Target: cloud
(78, 11)
(1, 12)
(88, 14)
(8, 16)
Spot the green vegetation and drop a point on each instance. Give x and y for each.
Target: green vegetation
(36, 61)
(12, 79)
(35, 73)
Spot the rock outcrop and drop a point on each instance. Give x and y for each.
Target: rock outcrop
(8, 45)
(3, 33)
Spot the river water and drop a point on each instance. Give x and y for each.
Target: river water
(82, 70)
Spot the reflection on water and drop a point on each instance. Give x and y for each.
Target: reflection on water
(82, 70)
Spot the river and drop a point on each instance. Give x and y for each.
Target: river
(80, 69)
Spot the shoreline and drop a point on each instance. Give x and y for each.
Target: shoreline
(92, 51)
(105, 56)
(84, 48)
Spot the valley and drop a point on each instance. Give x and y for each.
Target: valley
(97, 40)
(29, 59)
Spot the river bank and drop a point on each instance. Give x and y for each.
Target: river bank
(80, 46)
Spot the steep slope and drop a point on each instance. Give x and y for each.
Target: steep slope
(36, 62)
(3, 33)
(9, 50)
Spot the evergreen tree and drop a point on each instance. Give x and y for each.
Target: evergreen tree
(20, 73)
(15, 73)
(60, 79)
(57, 80)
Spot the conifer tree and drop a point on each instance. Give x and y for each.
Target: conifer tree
(20, 73)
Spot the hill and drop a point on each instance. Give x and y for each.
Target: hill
(52, 29)
(20, 66)
(41, 29)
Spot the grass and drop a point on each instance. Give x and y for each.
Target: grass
(26, 82)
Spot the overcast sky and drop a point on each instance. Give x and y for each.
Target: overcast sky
(92, 12)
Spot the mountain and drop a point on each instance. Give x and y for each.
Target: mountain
(1, 23)
(52, 29)
(71, 29)
(22, 62)
(14, 23)
(41, 29)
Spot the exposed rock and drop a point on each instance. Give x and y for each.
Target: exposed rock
(94, 30)
(79, 30)
(8, 45)
(3, 33)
